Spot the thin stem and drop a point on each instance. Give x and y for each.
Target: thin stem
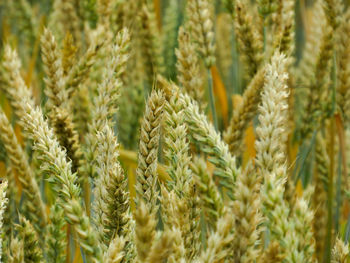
(212, 100)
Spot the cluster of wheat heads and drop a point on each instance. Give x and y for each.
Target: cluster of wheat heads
(149, 131)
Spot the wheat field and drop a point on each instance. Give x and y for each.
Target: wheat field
(180, 131)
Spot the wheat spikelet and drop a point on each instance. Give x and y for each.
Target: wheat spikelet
(210, 198)
(285, 36)
(177, 154)
(26, 19)
(80, 71)
(162, 248)
(204, 133)
(319, 90)
(148, 150)
(188, 68)
(270, 156)
(303, 224)
(241, 118)
(56, 239)
(145, 230)
(271, 132)
(267, 7)
(65, 19)
(104, 10)
(82, 111)
(111, 198)
(9, 212)
(57, 103)
(32, 251)
(19, 161)
(68, 53)
(179, 251)
(175, 218)
(218, 247)
(224, 52)
(200, 26)
(250, 42)
(64, 180)
(333, 9)
(16, 253)
(115, 252)
(176, 150)
(343, 69)
(16, 90)
(169, 36)
(133, 105)
(340, 252)
(248, 217)
(108, 92)
(305, 70)
(54, 81)
(151, 46)
(272, 253)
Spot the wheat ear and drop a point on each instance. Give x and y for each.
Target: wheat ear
(200, 26)
(248, 216)
(115, 253)
(210, 197)
(146, 185)
(56, 239)
(58, 103)
(211, 143)
(19, 161)
(187, 66)
(241, 118)
(108, 92)
(340, 252)
(219, 242)
(271, 157)
(31, 247)
(55, 162)
(111, 196)
(145, 230)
